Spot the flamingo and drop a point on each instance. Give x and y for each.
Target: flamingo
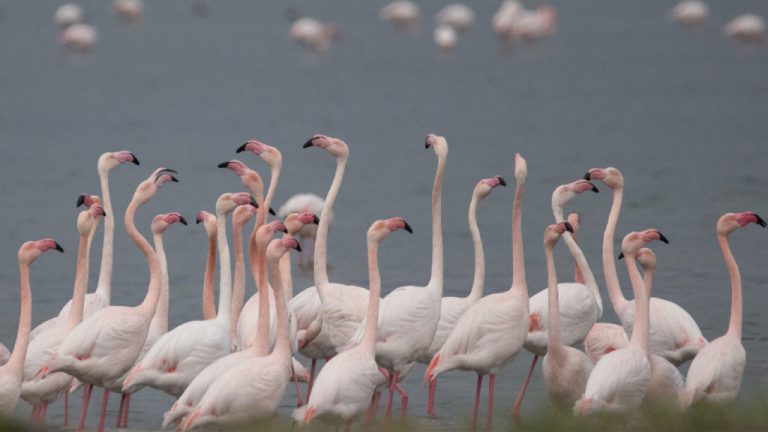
(179, 355)
(692, 13)
(620, 379)
(259, 347)
(104, 346)
(12, 372)
(566, 369)
(456, 15)
(209, 302)
(715, 374)
(327, 314)
(35, 390)
(346, 384)
(252, 390)
(535, 24)
(313, 34)
(68, 14)
(240, 217)
(492, 332)
(580, 304)
(505, 16)
(130, 11)
(300, 203)
(403, 14)
(746, 28)
(446, 38)
(79, 37)
(159, 324)
(452, 308)
(674, 334)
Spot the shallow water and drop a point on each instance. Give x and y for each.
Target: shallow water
(682, 114)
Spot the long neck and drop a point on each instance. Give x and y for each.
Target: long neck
(161, 311)
(273, 181)
(734, 326)
(285, 274)
(519, 284)
(374, 287)
(153, 292)
(16, 362)
(261, 339)
(238, 284)
(209, 297)
(321, 240)
(283, 344)
(554, 340)
(581, 261)
(436, 276)
(478, 282)
(253, 253)
(640, 330)
(578, 277)
(225, 271)
(618, 301)
(81, 282)
(104, 285)
(648, 281)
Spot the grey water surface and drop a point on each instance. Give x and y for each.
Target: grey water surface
(682, 114)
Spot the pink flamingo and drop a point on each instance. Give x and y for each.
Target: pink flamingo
(12, 372)
(452, 308)
(403, 14)
(746, 29)
(620, 379)
(492, 332)
(692, 13)
(209, 301)
(105, 345)
(302, 203)
(715, 374)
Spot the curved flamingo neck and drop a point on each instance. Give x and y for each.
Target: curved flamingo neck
(554, 338)
(225, 271)
(81, 281)
(618, 301)
(519, 284)
(283, 344)
(287, 277)
(581, 261)
(16, 362)
(734, 325)
(253, 253)
(261, 338)
(321, 240)
(639, 337)
(478, 281)
(374, 286)
(436, 276)
(160, 319)
(209, 297)
(578, 276)
(238, 284)
(273, 181)
(153, 292)
(104, 284)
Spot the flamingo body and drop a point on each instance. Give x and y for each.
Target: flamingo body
(619, 393)
(604, 338)
(578, 313)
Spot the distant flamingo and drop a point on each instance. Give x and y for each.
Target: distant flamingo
(446, 38)
(209, 296)
(452, 308)
(105, 345)
(403, 14)
(620, 379)
(674, 334)
(252, 390)
(505, 17)
(79, 37)
(130, 11)
(313, 34)
(746, 28)
(692, 13)
(68, 14)
(535, 24)
(459, 16)
(346, 384)
(491, 333)
(301, 203)
(715, 374)
(179, 355)
(159, 324)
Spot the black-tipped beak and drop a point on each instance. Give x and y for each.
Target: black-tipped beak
(224, 165)
(58, 247)
(309, 143)
(272, 211)
(182, 220)
(595, 189)
(760, 220)
(298, 247)
(80, 200)
(315, 220)
(426, 142)
(254, 203)
(408, 227)
(168, 170)
(241, 148)
(662, 238)
(568, 227)
(103, 212)
(284, 230)
(621, 255)
(502, 182)
(135, 160)
(587, 176)
(198, 220)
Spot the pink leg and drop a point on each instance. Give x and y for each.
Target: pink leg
(44, 413)
(521, 395)
(86, 399)
(477, 401)
(299, 400)
(491, 385)
(66, 407)
(33, 415)
(403, 399)
(127, 410)
(392, 383)
(120, 411)
(311, 382)
(431, 398)
(370, 415)
(103, 410)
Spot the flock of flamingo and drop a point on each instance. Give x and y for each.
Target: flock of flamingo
(234, 364)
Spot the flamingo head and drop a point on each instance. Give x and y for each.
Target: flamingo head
(294, 222)
(148, 188)
(242, 215)
(553, 232)
(88, 200)
(438, 144)
(227, 202)
(565, 193)
(485, 186)
(636, 240)
(265, 232)
(646, 258)
(89, 218)
(109, 160)
(575, 220)
(279, 247)
(267, 153)
(730, 222)
(29, 251)
(209, 223)
(250, 178)
(380, 229)
(521, 169)
(611, 176)
(334, 146)
(161, 222)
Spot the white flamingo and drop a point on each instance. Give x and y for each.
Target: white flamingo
(457, 15)
(130, 11)
(313, 34)
(715, 374)
(746, 28)
(692, 13)
(403, 14)
(12, 372)
(491, 333)
(68, 14)
(452, 308)
(620, 379)
(79, 37)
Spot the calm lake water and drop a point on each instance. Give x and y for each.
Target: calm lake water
(682, 114)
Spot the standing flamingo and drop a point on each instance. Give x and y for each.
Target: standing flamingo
(692, 13)
(620, 379)
(209, 296)
(452, 308)
(104, 346)
(715, 374)
(403, 14)
(301, 203)
(179, 355)
(159, 325)
(252, 390)
(492, 332)
(457, 15)
(345, 385)
(746, 29)
(12, 372)
(674, 334)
